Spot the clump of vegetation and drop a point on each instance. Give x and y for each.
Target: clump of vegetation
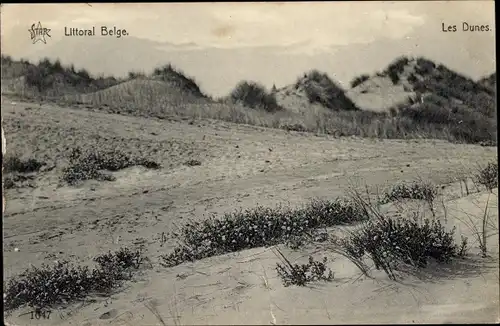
(258, 227)
(63, 282)
(483, 230)
(15, 164)
(359, 80)
(8, 182)
(397, 67)
(12, 181)
(136, 74)
(415, 190)
(255, 96)
(321, 89)
(18, 171)
(51, 78)
(123, 259)
(390, 242)
(294, 127)
(489, 81)
(295, 274)
(192, 163)
(172, 75)
(424, 66)
(456, 108)
(90, 165)
(459, 120)
(488, 176)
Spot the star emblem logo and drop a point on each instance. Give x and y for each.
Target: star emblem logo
(38, 33)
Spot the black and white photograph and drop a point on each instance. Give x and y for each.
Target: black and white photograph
(251, 163)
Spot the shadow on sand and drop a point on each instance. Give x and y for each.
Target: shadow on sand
(461, 268)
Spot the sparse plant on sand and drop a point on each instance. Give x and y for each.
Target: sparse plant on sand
(482, 228)
(488, 176)
(464, 246)
(295, 274)
(18, 180)
(192, 163)
(417, 190)
(64, 282)
(86, 165)
(463, 181)
(19, 172)
(391, 243)
(258, 227)
(16, 164)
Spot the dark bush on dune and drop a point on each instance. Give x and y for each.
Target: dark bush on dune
(47, 75)
(489, 82)
(255, 96)
(177, 78)
(359, 80)
(424, 66)
(321, 89)
(134, 74)
(397, 67)
(462, 124)
(52, 78)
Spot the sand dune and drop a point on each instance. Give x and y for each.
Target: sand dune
(241, 167)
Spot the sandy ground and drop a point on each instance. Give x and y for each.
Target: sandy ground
(242, 166)
(378, 94)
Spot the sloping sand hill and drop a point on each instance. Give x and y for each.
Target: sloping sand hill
(241, 167)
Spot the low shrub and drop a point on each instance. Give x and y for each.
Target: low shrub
(396, 68)
(488, 176)
(192, 163)
(415, 190)
(255, 96)
(258, 227)
(390, 242)
(9, 182)
(359, 80)
(294, 127)
(89, 165)
(295, 274)
(321, 89)
(15, 180)
(15, 164)
(66, 283)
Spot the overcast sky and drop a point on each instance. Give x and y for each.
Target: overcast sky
(302, 30)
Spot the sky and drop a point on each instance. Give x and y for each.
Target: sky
(255, 40)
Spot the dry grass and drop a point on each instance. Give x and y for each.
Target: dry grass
(482, 227)
(167, 93)
(150, 101)
(394, 244)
